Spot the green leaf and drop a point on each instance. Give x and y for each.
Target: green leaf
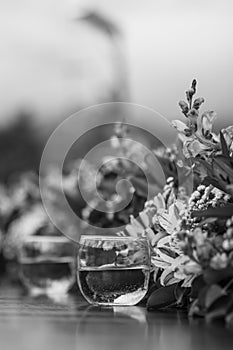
(197, 285)
(219, 308)
(195, 310)
(205, 164)
(222, 212)
(202, 297)
(212, 276)
(225, 150)
(162, 297)
(223, 168)
(181, 293)
(220, 173)
(215, 182)
(213, 293)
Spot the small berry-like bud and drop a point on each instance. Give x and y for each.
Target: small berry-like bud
(184, 107)
(226, 245)
(170, 180)
(189, 94)
(193, 114)
(194, 84)
(198, 102)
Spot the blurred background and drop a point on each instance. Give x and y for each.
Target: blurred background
(58, 56)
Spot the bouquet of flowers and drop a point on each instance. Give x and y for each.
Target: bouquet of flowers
(191, 237)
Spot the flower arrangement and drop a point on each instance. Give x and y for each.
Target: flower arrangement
(191, 237)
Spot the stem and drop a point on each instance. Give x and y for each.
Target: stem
(228, 285)
(190, 102)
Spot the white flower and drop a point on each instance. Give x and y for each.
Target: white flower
(170, 219)
(219, 261)
(187, 270)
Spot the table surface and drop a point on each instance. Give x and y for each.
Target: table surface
(71, 324)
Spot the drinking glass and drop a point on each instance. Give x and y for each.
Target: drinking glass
(113, 270)
(47, 264)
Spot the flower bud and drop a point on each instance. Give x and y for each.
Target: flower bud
(192, 119)
(194, 84)
(219, 261)
(198, 102)
(193, 114)
(188, 132)
(189, 94)
(226, 245)
(184, 107)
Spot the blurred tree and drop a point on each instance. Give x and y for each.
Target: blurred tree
(20, 147)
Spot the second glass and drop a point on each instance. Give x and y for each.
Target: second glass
(47, 264)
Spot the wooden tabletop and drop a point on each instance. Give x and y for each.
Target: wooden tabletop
(70, 323)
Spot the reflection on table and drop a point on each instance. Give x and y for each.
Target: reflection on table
(71, 323)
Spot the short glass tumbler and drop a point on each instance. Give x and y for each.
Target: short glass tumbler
(113, 270)
(47, 264)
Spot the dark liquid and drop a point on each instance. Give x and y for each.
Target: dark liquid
(45, 273)
(114, 286)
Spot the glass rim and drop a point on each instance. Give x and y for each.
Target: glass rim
(55, 239)
(111, 238)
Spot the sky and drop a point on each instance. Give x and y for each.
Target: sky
(170, 42)
(50, 65)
